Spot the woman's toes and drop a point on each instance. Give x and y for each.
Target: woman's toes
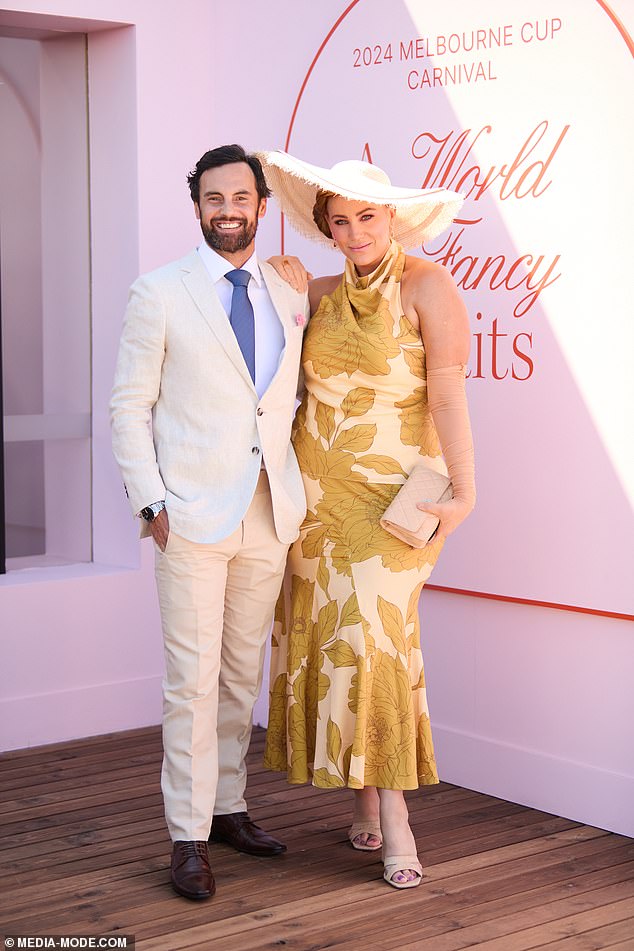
(361, 839)
(367, 839)
(405, 875)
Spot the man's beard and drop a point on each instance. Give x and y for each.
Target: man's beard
(230, 241)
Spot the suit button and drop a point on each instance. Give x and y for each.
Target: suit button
(255, 451)
(259, 411)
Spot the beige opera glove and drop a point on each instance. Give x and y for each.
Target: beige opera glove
(448, 404)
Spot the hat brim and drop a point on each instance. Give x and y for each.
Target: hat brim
(420, 214)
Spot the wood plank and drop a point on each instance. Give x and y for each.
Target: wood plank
(113, 829)
(619, 911)
(322, 908)
(319, 928)
(620, 932)
(155, 846)
(120, 885)
(243, 875)
(320, 817)
(52, 825)
(73, 749)
(383, 893)
(439, 934)
(26, 782)
(84, 848)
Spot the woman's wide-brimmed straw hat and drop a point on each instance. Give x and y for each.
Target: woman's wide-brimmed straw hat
(420, 214)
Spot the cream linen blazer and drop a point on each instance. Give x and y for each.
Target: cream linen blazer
(187, 424)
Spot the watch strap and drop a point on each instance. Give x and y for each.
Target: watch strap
(150, 512)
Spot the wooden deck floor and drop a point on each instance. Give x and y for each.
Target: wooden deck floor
(84, 850)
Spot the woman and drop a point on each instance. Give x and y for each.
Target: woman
(384, 359)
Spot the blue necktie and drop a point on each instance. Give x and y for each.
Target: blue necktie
(241, 317)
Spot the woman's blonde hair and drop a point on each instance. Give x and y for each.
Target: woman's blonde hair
(320, 212)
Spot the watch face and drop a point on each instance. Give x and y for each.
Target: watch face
(150, 512)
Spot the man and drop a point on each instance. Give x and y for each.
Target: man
(201, 411)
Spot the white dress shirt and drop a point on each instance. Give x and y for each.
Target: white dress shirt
(269, 333)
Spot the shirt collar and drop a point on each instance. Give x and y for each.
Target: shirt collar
(217, 266)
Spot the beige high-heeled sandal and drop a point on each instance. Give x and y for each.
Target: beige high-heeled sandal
(372, 827)
(401, 863)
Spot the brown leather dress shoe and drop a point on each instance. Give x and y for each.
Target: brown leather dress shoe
(237, 830)
(191, 873)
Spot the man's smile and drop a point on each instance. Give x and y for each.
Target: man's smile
(227, 225)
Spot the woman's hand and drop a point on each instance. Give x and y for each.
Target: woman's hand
(291, 270)
(451, 515)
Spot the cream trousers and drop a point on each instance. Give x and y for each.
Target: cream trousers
(217, 604)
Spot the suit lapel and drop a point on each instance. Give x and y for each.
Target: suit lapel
(201, 289)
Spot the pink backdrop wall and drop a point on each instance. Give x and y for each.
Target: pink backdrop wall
(80, 645)
(528, 702)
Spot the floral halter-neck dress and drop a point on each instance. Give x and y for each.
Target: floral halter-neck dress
(348, 700)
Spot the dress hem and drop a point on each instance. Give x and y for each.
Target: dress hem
(310, 781)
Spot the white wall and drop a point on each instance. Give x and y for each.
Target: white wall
(533, 704)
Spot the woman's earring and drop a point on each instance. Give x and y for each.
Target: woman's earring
(334, 244)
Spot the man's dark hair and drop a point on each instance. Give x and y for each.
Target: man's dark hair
(226, 155)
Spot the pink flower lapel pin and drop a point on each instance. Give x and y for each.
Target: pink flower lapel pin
(300, 320)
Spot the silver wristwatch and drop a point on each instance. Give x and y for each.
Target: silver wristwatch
(150, 512)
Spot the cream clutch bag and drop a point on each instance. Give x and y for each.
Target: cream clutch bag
(407, 522)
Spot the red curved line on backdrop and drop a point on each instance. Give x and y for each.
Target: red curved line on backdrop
(301, 93)
(533, 601)
(606, 9)
(474, 594)
(626, 36)
(312, 66)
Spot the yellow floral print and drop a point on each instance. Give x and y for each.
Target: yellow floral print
(331, 352)
(348, 698)
(417, 426)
